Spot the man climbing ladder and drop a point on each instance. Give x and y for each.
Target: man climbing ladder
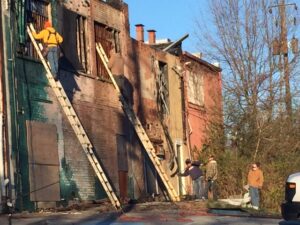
(51, 40)
(76, 125)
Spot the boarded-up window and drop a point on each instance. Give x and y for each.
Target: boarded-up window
(195, 89)
(108, 38)
(37, 13)
(43, 161)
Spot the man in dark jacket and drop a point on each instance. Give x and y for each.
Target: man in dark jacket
(195, 173)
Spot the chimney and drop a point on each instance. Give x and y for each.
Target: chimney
(151, 37)
(139, 30)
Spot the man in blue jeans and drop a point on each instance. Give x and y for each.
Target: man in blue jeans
(255, 182)
(195, 173)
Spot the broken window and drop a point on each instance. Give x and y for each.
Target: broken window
(108, 38)
(195, 89)
(81, 42)
(75, 45)
(163, 88)
(37, 12)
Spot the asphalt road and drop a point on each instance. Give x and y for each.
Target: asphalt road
(150, 213)
(144, 218)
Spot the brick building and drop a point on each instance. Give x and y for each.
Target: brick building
(203, 99)
(41, 155)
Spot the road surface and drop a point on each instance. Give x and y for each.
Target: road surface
(143, 218)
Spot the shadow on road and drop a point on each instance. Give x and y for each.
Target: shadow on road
(292, 222)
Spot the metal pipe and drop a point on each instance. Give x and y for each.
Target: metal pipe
(7, 61)
(175, 43)
(2, 190)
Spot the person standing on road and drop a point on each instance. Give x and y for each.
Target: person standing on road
(255, 182)
(195, 173)
(211, 177)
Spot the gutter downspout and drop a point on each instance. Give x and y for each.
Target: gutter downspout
(2, 163)
(187, 125)
(7, 61)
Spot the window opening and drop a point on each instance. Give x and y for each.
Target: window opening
(163, 88)
(37, 13)
(81, 42)
(108, 38)
(195, 89)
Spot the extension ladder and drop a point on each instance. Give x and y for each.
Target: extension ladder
(140, 131)
(76, 124)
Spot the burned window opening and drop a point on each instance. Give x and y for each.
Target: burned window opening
(109, 38)
(163, 88)
(37, 12)
(75, 47)
(81, 42)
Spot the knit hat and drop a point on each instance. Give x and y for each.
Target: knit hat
(47, 24)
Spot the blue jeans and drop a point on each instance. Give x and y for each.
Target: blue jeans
(52, 57)
(211, 190)
(197, 188)
(254, 194)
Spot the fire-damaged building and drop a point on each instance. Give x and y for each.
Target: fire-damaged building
(174, 95)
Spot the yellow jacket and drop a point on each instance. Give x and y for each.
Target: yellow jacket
(49, 36)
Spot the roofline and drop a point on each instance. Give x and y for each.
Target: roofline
(201, 61)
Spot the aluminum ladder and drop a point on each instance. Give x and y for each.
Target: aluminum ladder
(140, 131)
(76, 124)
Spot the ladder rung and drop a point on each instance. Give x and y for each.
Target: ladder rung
(87, 144)
(59, 88)
(91, 151)
(72, 115)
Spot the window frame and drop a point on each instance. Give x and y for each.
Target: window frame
(37, 16)
(109, 38)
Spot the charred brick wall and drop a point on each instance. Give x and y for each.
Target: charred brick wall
(98, 107)
(143, 63)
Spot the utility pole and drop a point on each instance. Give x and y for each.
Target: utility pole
(284, 51)
(280, 47)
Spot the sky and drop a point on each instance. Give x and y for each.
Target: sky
(170, 18)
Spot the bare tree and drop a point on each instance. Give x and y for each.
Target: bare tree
(241, 38)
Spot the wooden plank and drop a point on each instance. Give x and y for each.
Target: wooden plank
(43, 161)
